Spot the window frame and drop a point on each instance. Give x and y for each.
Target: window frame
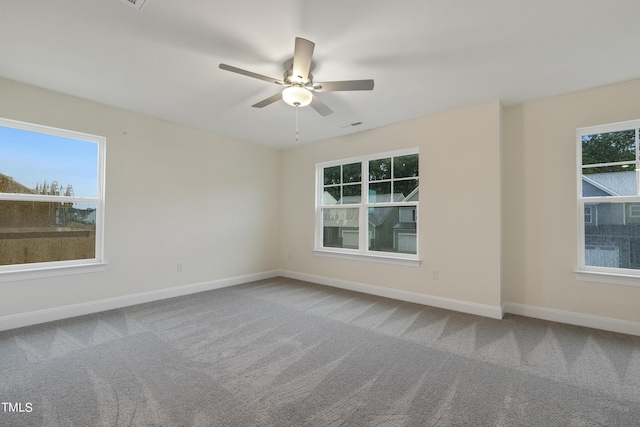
(363, 253)
(598, 274)
(39, 270)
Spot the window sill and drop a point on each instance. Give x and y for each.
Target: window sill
(48, 272)
(608, 278)
(410, 262)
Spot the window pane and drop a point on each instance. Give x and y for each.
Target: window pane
(351, 194)
(37, 163)
(405, 190)
(352, 173)
(612, 237)
(405, 166)
(380, 192)
(46, 231)
(380, 169)
(393, 229)
(331, 196)
(340, 228)
(332, 175)
(601, 182)
(608, 148)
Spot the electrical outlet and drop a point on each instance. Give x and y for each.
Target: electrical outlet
(180, 266)
(434, 273)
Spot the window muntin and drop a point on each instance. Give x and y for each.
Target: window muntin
(51, 197)
(609, 198)
(393, 179)
(342, 184)
(380, 216)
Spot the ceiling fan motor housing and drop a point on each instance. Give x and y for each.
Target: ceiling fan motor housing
(290, 79)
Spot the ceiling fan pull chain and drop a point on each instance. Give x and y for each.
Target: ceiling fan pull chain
(297, 104)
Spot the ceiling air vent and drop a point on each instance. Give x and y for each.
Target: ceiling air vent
(138, 4)
(348, 125)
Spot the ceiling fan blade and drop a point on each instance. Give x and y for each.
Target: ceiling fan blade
(302, 54)
(320, 106)
(268, 101)
(343, 85)
(251, 74)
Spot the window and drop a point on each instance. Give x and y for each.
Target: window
(634, 210)
(588, 214)
(368, 206)
(609, 198)
(51, 199)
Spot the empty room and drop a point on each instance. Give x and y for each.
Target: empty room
(299, 213)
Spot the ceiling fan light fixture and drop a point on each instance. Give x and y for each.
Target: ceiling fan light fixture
(297, 96)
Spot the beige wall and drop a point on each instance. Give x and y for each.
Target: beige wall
(173, 193)
(498, 213)
(540, 209)
(459, 213)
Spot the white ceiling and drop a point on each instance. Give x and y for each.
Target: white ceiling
(426, 56)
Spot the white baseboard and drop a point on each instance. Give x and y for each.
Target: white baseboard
(586, 320)
(493, 312)
(58, 313)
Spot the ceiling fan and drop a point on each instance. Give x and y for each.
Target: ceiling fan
(298, 83)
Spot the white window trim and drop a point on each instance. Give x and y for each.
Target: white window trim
(363, 254)
(381, 259)
(44, 271)
(608, 275)
(9, 273)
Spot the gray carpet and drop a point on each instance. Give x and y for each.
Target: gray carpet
(281, 352)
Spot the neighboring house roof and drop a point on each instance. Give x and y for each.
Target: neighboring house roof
(9, 185)
(91, 218)
(609, 184)
(413, 196)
